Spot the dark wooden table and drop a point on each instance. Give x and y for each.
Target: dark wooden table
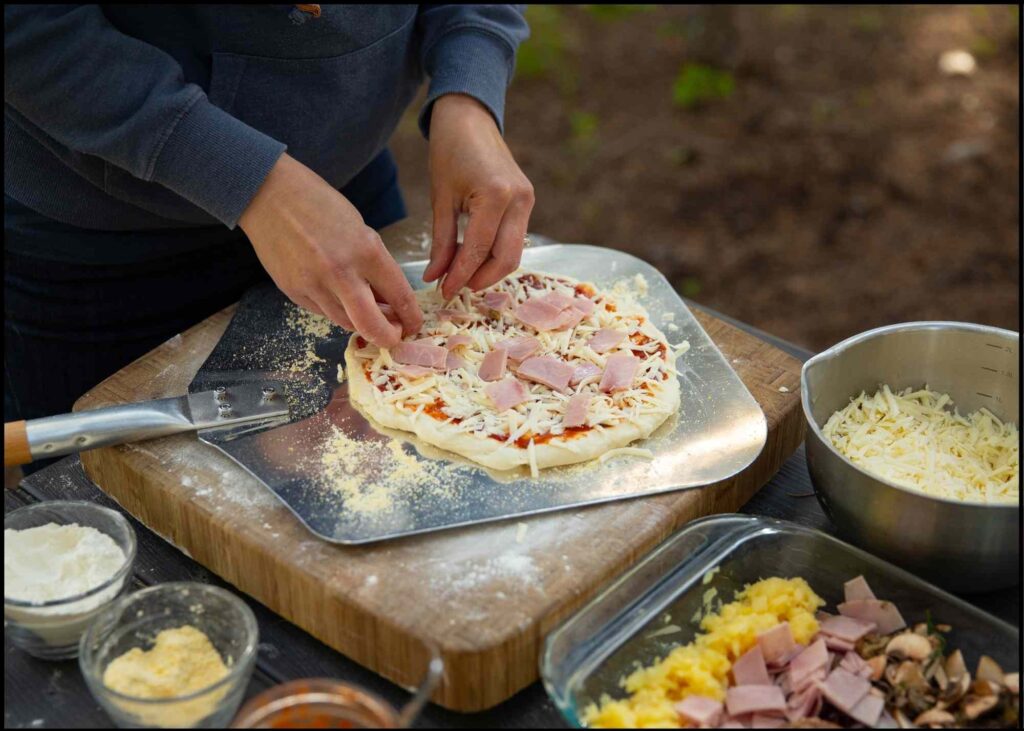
(40, 694)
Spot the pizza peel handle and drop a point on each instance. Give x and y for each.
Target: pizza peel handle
(16, 449)
(52, 436)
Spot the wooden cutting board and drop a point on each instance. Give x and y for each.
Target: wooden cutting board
(485, 596)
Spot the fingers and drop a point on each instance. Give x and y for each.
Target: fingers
(446, 231)
(508, 246)
(307, 304)
(366, 316)
(390, 283)
(484, 221)
(333, 310)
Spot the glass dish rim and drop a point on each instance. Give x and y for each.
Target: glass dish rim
(236, 671)
(756, 523)
(121, 573)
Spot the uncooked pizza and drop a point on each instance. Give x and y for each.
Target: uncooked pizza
(538, 370)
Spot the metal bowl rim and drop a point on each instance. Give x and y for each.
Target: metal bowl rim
(836, 350)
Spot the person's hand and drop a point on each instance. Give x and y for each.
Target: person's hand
(318, 251)
(472, 171)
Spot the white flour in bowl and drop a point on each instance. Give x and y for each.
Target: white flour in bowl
(52, 562)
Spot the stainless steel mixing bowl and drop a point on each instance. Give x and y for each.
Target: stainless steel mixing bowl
(963, 547)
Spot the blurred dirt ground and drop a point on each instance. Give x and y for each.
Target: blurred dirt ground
(810, 170)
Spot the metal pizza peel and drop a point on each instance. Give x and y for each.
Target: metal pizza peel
(352, 482)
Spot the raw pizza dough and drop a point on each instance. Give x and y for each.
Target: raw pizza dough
(451, 410)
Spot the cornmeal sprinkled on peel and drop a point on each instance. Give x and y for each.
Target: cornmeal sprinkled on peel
(370, 474)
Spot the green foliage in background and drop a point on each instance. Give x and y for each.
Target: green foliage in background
(544, 51)
(869, 20)
(616, 12)
(698, 83)
(583, 131)
(689, 287)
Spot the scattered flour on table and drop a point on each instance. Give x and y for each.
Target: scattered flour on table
(516, 568)
(229, 486)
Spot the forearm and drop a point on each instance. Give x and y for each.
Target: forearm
(100, 92)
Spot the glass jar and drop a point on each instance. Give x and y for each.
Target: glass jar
(325, 703)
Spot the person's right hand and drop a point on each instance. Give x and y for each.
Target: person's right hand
(318, 251)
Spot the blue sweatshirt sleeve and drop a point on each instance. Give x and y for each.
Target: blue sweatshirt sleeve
(100, 92)
(470, 49)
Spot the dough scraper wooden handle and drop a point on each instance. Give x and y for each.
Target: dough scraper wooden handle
(242, 408)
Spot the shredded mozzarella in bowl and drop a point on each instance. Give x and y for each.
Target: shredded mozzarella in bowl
(918, 440)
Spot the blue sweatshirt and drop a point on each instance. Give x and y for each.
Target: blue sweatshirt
(127, 117)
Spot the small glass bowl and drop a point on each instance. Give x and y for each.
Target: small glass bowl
(326, 703)
(51, 630)
(136, 619)
(316, 703)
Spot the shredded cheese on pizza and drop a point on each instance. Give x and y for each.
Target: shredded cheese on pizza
(457, 396)
(917, 440)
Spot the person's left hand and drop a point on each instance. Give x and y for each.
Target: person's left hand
(472, 171)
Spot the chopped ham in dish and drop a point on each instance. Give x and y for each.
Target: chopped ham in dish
(493, 366)
(884, 615)
(519, 348)
(776, 643)
(576, 410)
(812, 659)
(779, 682)
(844, 690)
(421, 354)
(857, 588)
(619, 371)
(700, 710)
(605, 339)
(506, 393)
(546, 370)
(868, 710)
(846, 628)
(855, 664)
(804, 704)
(749, 668)
(838, 645)
(754, 699)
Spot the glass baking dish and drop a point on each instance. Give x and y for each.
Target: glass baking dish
(650, 609)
